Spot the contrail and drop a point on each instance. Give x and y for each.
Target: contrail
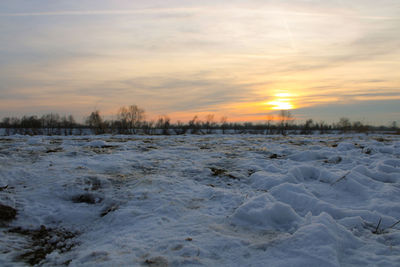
(324, 15)
(96, 12)
(289, 32)
(187, 9)
(69, 13)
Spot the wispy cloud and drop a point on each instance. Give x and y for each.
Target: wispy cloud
(101, 12)
(193, 10)
(197, 57)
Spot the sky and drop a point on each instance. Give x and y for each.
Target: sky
(246, 60)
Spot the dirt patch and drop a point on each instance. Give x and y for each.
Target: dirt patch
(109, 209)
(250, 172)
(156, 262)
(56, 141)
(381, 139)
(367, 151)
(54, 150)
(7, 140)
(103, 149)
(275, 156)
(221, 172)
(147, 148)
(44, 241)
(3, 188)
(146, 170)
(7, 213)
(334, 160)
(92, 183)
(86, 198)
(217, 171)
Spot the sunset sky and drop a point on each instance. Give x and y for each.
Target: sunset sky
(240, 59)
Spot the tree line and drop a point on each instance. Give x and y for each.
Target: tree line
(131, 120)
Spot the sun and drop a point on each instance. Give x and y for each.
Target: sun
(280, 105)
(282, 101)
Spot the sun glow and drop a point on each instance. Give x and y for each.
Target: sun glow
(282, 102)
(280, 105)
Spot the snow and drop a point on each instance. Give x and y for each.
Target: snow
(265, 213)
(215, 200)
(97, 143)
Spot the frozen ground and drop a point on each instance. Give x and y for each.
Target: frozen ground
(201, 200)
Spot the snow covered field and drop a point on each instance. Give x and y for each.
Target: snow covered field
(201, 200)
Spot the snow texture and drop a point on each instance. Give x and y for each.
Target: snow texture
(216, 200)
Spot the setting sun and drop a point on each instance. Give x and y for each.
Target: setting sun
(280, 105)
(281, 102)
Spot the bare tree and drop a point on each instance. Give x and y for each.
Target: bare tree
(164, 123)
(307, 128)
(50, 122)
(67, 123)
(268, 124)
(180, 128)
(359, 127)
(393, 125)
(148, 127)
(224, 124)
(344, 124)
(131, 118)
(209, 124)
(194, 125)
(95, 122)
(123, 120)
(286, 118)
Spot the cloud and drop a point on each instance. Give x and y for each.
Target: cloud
(160, 12)
(189, 93)
(197, 57)
(374, 112)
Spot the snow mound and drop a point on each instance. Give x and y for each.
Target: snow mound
(384, 173)
(34, 141)
(389, 166)
(303, 201)
(345, 146)
(97, 143)
(326, 241)
(387, 150)
(264, 212)
(307, 156)
(264, 181)
(309, 173)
